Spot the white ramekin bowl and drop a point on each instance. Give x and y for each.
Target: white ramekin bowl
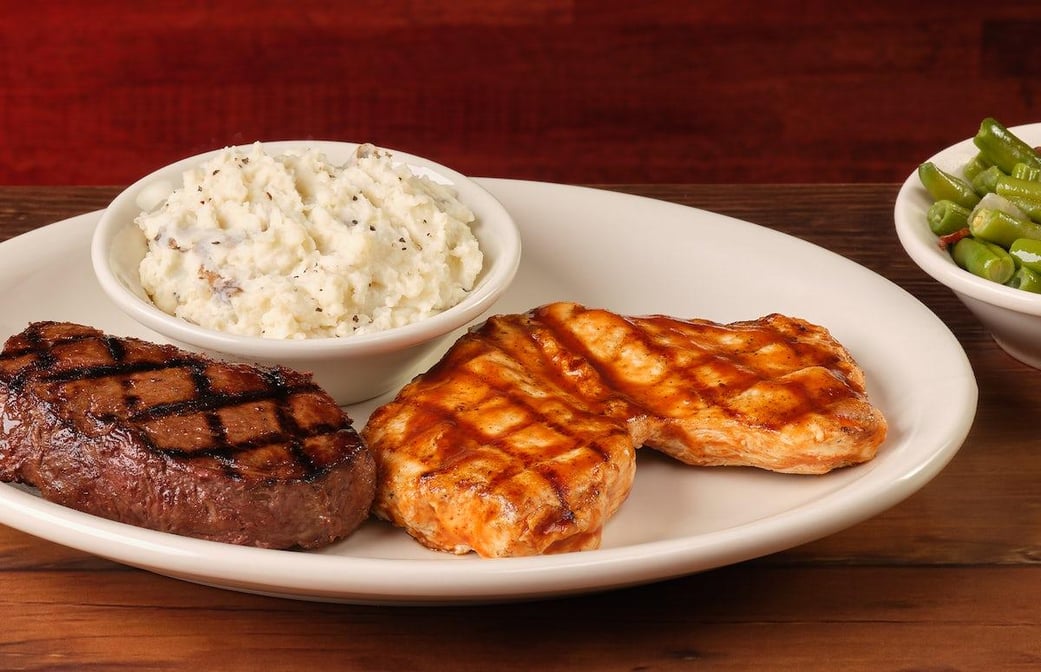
(352, 368)
(1012, 316)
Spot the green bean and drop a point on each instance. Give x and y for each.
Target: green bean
(946, 217)
(1002, 228)
(980, 259)
(1024, 172)
(1002, 147)
(1002, 254)
(1024, 194)
(986, 181)
(1030, 207)
(1004, 259)
(941, 185)
(1025, 279)
(998, 200)
(975, 166)
(1026, 253)
(1013, 187)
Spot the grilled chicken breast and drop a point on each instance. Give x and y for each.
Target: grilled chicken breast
(157, 437)
(522, 439)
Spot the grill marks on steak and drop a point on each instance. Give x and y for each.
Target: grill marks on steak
(185, 406)
(156, 436)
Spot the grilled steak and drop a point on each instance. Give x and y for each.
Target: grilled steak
(155, 436)
(522, 439)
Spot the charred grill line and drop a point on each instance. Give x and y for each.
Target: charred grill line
(719, 397)
(208, 403)
(573, 344)
(804, 351)
(619, 387)
(566, 514)
(38, 343)
(117, 351)
(310, 469)
(830, 361)
(115, 348)
(203, 391)
(213, 401)
(18, 380)
(43, 359)
(276, 379)
(98, 371)
(523, 400)
(205, 400)
(228, 447)
(292, 429)
(469, 430)
(517, 398)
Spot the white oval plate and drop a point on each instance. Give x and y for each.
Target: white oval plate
(626, 253)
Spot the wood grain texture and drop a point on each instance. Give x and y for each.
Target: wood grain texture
(572, 91)
(745, 618)
(948, 580)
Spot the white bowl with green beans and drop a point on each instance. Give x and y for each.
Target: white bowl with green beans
(970, 217)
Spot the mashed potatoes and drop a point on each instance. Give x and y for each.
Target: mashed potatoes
(291, 246)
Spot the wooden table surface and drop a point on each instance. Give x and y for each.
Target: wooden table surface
(947, 580)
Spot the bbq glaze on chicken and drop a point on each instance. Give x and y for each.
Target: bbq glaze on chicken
(522, 439)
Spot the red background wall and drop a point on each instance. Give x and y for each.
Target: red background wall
(585, 91)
